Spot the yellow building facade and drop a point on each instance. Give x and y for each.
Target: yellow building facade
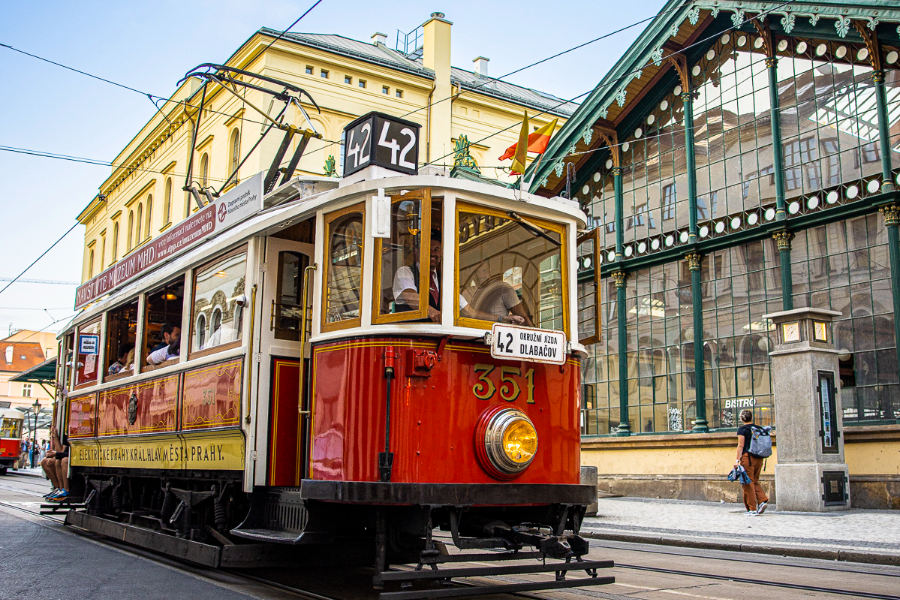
(144, 195)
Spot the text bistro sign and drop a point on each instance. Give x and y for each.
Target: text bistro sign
(237, 205)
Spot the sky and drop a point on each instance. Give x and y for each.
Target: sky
(150, 45)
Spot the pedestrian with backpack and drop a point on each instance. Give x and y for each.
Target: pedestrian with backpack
(754, 446)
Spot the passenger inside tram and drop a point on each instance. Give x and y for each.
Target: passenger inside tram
(219, 302)
(162, 320)
(121, 332)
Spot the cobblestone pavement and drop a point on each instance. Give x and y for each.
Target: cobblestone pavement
(856, 528)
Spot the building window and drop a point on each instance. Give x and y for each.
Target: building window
(702, 209)
(799, 156)
(91, 264)
(149, 216)
(309, 69)
(385, 90)
(102, 252)
(130, 230)
(399, 93)
(323, 74)
(139, 221)
(871, 153)
(204, 170)
(362, 83)
(669, 202)
(833, 176)
(348, 80)
(234, 149)
(115, 242)
(167, 209)
(26, 390)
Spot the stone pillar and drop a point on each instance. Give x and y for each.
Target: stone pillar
(783, 241)
(624, 428)
(811, 474)
(700, 423)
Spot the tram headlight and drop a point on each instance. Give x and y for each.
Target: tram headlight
(508, 441)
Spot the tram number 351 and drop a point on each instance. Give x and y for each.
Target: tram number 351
(509, 383)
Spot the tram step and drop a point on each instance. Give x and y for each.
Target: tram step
(275, 536)
(57, 509)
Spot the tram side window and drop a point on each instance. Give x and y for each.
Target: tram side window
(343, 268)
(87, 355)
(121, 333)
(219, 300)
(162, 322)
(10, 428)
(402, 271)
(510, 270)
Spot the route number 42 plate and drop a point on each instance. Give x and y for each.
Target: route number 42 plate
(524, 343)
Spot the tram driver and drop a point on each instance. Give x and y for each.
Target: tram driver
(406, 292)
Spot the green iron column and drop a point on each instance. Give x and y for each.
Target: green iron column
(620, 217)
(777, 148)
(891, 215)
(624, 428)
(783, 241)
(884, 131)
(690, 164)
(700, 424)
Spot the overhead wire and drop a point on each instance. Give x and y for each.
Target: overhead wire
(43, 254)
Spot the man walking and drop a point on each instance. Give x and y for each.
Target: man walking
(755, 499)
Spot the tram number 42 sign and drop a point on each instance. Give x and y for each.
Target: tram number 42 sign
(524, 343)
(382, 140)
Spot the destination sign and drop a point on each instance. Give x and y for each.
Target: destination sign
(382, 140)
(523, 343)
(242, 202)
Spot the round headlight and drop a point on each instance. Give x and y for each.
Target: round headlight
(508, 441)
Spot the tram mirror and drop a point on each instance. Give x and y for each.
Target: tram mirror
(405, 288)
(589, 287)
(508, 273)
(381, 210)
(121, 335)
(216, 317)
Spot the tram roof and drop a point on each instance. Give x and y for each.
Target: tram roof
(304, 201)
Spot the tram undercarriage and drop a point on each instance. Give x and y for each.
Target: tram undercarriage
(207, 519)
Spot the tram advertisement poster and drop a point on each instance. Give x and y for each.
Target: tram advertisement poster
(509, 342)
(242, 202)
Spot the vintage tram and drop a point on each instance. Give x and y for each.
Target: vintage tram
(360, 362)
(10, 438)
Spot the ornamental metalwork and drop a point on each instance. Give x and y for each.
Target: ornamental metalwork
(783, 239)
(132, 408)
(620, 97)
(331, 167)
(788, 21)
(693, 259)
(737, 17)
(619, 277)
(814, 19)
(891, 214)
(656, 56)
(842, 25)
(588, 135)
(694, 15)
(462, 157)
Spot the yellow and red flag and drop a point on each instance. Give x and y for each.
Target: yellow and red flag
(536, 142)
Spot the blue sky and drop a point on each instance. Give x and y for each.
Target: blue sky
(149, 46)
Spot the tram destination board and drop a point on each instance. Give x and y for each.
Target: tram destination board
(381, 140)
(523, 343)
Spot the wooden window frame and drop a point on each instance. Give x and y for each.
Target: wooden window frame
(80, 386)
(243, 249)
(424, 197)
(559, 228)
(330, 218)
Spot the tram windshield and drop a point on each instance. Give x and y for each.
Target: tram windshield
(10, 428)
(510, 270)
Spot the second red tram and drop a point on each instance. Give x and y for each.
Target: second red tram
(10, 438)
(360, 362)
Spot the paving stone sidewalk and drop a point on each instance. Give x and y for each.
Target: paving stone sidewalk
(856, 529)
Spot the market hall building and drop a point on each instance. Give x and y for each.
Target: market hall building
(740, 159)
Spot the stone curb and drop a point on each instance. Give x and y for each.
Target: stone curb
(860, 556)
(22, 472)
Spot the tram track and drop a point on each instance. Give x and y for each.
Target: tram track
(310, 595)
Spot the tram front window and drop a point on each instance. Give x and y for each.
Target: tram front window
(10, 428)
(510, 270)
(343, 268)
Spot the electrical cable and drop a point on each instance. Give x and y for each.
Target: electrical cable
(40, 257)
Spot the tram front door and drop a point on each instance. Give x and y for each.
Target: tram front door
(282, 353)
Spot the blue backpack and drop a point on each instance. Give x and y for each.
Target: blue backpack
(760, 441)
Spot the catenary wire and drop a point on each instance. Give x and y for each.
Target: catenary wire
(43, 254)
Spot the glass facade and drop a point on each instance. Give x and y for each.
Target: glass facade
(831, 156)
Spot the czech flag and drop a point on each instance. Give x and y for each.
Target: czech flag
(537, 143)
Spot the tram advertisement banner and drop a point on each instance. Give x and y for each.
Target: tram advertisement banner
(214, 450)
(242, 202)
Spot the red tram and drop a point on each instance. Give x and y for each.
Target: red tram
(360, 361)
(10, 438)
